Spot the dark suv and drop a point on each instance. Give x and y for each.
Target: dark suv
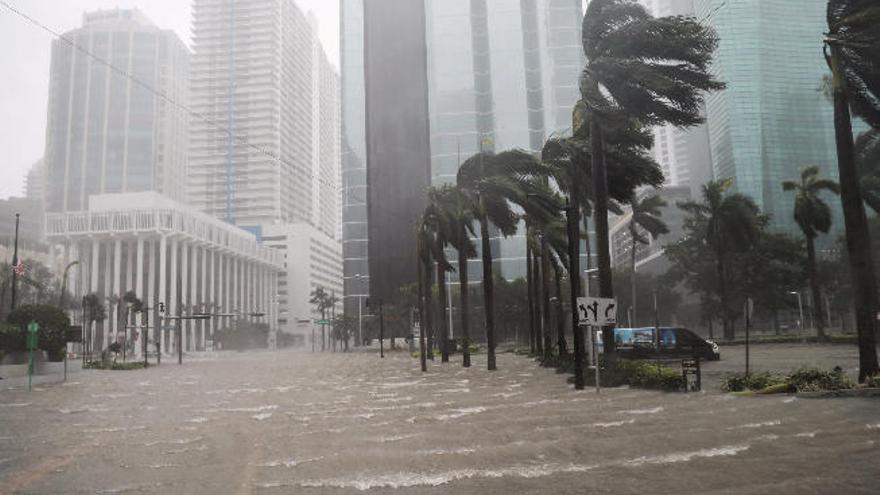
(651, 342)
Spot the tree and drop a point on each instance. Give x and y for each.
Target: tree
(321, 300)
(728, 223)
(640, 71)
(52, 335)
(813, 216)
(645, 216)
(867, 150)
(852, 50)
(491, 182)
(343, 327)
(440, 226)
(95, 312)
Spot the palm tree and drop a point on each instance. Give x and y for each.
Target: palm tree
(851, 47)
(867, 150)
(732, 223)
(440, 222)
(813, 216)
(320, 299)
(491, 182)
(645, 216)
(459, 219)
(95, 312)
(640, 71)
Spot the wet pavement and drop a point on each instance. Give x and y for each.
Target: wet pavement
(295, 422)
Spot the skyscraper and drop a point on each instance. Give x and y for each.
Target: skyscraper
(107, 132)
(503, 72)
(773, 119)
(265, 150)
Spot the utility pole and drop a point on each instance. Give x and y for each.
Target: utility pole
(15, 260)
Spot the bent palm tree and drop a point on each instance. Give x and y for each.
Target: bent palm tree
(639, 69)
(851, 49)
(867, 149)
(813, 216)
(732, 224)
(645, 216)
(491, 183)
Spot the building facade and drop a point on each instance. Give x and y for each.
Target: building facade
(772, 120)
(178, 261)
(503, 72)
(311, 260)
(109, 133)
(266, 151)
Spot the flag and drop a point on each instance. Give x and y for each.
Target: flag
(19, 268)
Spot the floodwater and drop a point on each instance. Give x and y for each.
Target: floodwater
(296, 422)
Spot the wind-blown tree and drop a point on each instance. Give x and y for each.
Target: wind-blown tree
(95, 312)
(321, 300)
(492, 183)
(731, 224)
(640, 71)
(852, 49)
(867, 150)
(813, 216)
(455, 218)
(441, 222)
(645, 216)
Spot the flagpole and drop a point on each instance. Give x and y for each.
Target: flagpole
(15, 260)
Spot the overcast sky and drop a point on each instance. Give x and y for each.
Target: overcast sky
(24, 66)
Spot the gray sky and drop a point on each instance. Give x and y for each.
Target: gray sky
(24, 66)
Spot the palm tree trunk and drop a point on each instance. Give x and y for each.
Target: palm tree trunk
(464, 307)
(530, 288)
(488, 295)
(600, 207)
(545, 290)
(429, 309)
(560, 316)
(422, 307)
(539, 297)
(727, 328)
(444, 324)
(858, 240)
(814, 289)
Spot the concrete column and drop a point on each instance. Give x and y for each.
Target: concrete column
(130, 270)
(153, 321)
(184, 292)
(163, 285)
(236, 304)
(93, 286)
(203, 291)
(117, 286)
(193, 295)
(105, 295)
(212, 291)
(139, 290)
(221, 290)
(171, 306)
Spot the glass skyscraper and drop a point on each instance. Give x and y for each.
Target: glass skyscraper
(773, 119)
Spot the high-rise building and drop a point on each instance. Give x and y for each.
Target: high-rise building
(108, 132)
(503, 72)
(35, 182)
(773, 119)
(683, 154)
(265, 150)
(355, 243)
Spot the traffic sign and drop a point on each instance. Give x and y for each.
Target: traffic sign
(597, 311)
(322, 322)
(32, 329)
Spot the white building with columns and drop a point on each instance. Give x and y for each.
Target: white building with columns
(169, 255)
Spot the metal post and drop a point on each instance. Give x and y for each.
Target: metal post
(15, 266)
(381, 330)
(572, 213)
(801, 310)
(360, 320)
(748, 329)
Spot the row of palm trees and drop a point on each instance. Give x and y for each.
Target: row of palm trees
(640, 72)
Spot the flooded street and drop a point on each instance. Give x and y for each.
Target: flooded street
(293, 422)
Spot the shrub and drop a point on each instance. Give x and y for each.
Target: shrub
(53, 323)
(814, 379)
(637, 373)
(12, 338)
(753, 381)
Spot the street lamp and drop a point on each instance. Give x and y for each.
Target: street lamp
(801, 310)
(360, 297)
(64, 283)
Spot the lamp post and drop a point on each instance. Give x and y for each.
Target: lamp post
(801, 310)
(15, 267)
(64, 283)
(360, 297)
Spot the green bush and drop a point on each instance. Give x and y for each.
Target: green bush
(637, 373)
(802, 380)
(12, 338)
(109, 365)
(53, 323)
(753, 381)
(814, 380)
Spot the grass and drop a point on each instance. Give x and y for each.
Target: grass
(803, 380)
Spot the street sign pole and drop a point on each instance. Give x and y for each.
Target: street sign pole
(32, 328)
(750, 305)
(595, 350)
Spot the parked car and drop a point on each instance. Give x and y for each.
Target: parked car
(651, 342)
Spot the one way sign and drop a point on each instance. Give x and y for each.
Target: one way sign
(596, 311)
